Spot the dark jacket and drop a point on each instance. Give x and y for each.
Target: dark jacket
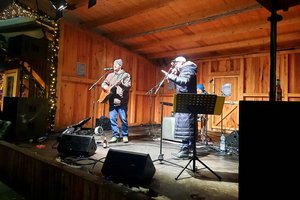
(120, 83)
(185, 82)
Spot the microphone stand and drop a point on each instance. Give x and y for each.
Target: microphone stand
(161, 155)
(222, 94)
(94, 93)
(150, 93)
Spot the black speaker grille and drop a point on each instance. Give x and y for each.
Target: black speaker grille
(77, 145)
(29, 117)
(128, 167)
(232, 140)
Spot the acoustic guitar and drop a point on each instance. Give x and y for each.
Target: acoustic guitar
(106, 94)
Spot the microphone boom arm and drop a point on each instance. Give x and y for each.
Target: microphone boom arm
(94, 84)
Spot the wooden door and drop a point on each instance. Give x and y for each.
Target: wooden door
(228, 87)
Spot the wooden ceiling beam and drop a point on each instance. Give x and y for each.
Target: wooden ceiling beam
(244, 28)
(185, 21)
(231, 45)
(141, 8)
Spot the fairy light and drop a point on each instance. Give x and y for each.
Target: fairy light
(19, 10)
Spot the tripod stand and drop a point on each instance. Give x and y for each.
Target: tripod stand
(197, 104)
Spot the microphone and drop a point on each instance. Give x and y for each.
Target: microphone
(107, 68)
(211, 81)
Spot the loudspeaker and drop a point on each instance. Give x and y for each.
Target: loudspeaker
(267, 131)
(232, 140)
(128, 167)
(28, 48)
(29, 117)
(77, 145)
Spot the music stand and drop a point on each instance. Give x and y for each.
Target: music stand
(198, 104)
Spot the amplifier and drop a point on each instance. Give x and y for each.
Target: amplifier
(168, 129)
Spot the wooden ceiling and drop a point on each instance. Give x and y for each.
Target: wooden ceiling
(160, 30)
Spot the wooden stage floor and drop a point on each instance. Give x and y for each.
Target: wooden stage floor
(200, 185)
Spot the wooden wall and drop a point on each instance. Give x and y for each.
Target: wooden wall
(248, 76)
(75, 99)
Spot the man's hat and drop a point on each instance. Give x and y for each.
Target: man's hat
(118, 62)
(179, 59)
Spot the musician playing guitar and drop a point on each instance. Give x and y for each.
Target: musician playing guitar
(116, 90)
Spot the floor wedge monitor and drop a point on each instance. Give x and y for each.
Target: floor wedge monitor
(128, 167)
(77, 145)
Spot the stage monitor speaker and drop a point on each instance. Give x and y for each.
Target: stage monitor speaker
(232, 140)
(29, 117)
(128, 167)
(77, 145)
(168, 129)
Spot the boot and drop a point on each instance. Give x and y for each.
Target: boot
(183, 154)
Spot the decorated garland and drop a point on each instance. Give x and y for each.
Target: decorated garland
(18, 10)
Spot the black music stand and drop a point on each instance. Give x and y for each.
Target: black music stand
(198, 104)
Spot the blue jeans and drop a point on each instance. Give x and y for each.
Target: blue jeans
(113, 113)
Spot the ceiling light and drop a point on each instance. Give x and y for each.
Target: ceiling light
(59, 4)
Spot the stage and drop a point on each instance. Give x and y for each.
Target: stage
(143, 140)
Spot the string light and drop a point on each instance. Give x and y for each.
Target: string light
(19, 10)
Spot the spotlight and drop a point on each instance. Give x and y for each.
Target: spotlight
(59, 4)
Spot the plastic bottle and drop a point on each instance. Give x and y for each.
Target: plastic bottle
(278, 90)
(105, 145)
(222, 143)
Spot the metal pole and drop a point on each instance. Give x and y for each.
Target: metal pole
(273, 46)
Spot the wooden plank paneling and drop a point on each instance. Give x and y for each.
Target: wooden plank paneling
(76, 100)
(252, 81)
(248, 75)
(256, 78)
(294, 73)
